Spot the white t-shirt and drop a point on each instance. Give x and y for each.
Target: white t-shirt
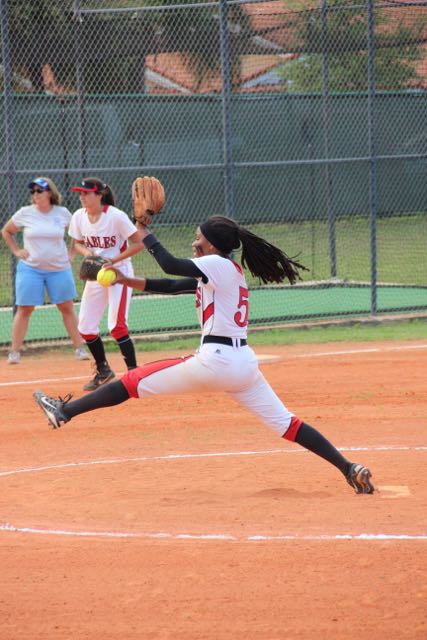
(223, 302)
(43, 236)
(108, 236)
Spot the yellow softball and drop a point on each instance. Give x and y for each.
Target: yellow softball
(106, 277)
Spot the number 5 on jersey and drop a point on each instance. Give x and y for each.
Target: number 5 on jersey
(241, 316)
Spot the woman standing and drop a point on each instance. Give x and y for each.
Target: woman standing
(44, 263)
(99, 228)
(224, 360)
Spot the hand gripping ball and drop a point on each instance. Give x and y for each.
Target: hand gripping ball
(106, 277)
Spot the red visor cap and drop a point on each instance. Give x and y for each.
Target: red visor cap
(87, 186)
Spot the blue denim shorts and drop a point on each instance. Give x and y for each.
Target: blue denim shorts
(31, 284)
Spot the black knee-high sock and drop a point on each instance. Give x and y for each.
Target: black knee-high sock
(96, 347)
(313, 440)
(106, 396)
(128, 351)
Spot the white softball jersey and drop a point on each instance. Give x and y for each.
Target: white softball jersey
(223, 302)
(107, 237)
(43, 236)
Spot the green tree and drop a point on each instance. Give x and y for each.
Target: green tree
(341, 40)
(108, 51)
(37, 36)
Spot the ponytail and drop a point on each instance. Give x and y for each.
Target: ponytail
(108, 196)
(264, 260)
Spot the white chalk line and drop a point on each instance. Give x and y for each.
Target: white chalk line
(322, 354)
(163, 535)
(42, 381)
(356, 351)
(189, 456)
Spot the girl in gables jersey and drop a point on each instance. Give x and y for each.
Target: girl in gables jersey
(99, 228)
(224, 361)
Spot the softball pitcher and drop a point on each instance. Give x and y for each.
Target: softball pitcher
(99, 228)
(224, 361)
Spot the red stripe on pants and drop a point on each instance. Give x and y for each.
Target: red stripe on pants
(132, 378)
(89, 337)
(121, 328)
(293, 429)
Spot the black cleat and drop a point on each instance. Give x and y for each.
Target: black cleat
(52, 408)
(359, 478)
(102, 376)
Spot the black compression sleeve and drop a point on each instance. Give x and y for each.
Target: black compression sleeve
(173, 287)
(106, 396)
(314, 441)
(170, 264)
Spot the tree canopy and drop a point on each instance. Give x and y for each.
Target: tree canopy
(106, 51)
(339, 39)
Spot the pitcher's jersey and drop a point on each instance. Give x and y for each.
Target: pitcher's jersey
(223, 302)
(108, 236)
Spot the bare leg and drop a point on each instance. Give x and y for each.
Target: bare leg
(20, 326)
(69, 319)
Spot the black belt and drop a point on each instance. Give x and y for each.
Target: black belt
(222, 340)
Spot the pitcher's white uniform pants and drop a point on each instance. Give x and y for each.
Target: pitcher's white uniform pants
(214, 367)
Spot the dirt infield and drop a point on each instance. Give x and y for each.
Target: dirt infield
(184, 518)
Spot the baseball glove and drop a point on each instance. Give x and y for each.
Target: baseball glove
(148, 198)
(90, 266)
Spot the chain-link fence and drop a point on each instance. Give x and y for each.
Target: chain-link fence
(307, 125)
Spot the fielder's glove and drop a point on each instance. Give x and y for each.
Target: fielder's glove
(148, 198)
(90, 266)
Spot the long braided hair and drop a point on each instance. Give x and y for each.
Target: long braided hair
(264, 260)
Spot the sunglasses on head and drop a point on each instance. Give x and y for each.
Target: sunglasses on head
(33, 191)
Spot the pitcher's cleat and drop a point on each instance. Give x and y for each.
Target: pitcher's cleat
(359, 478)
(53, 408)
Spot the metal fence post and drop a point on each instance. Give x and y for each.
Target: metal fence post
(64, 141)
(226, 111)
(326, 119)
(373, 158)
(9, 125)
(80, 84)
